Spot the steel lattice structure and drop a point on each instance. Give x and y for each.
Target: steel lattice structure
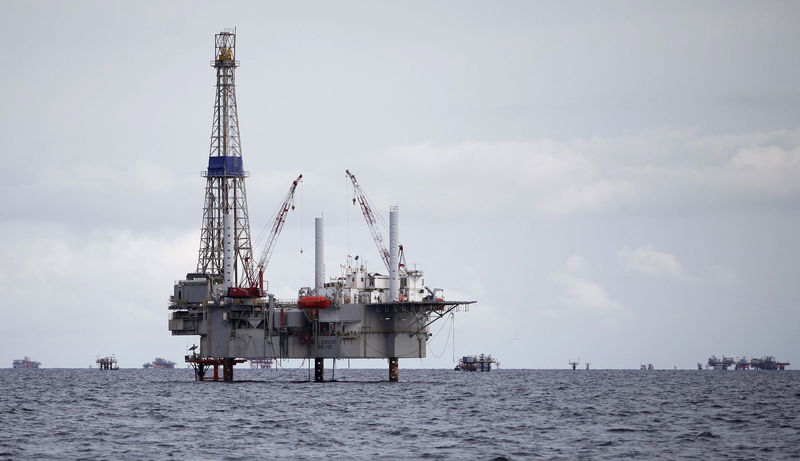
(225, 190)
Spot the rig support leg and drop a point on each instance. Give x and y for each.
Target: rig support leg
(319, 370)
(227, 369)
(394, 370)
(216, 372)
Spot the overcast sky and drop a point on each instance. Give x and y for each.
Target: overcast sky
(617, 182)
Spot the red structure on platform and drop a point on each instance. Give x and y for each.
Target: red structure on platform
(201, 366)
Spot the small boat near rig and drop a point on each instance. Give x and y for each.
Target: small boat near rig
(25, 363)
(476, 363)
(159, 363)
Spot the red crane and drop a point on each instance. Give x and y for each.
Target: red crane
(369, 216)
(274, 232)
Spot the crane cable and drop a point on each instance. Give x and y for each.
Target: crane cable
(450, 332)
(347, 208)
(301, 221)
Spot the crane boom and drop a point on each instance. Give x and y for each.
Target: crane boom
(369, 216)
(275, 231)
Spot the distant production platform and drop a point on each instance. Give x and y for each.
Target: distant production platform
(358, 314)
(767, 362)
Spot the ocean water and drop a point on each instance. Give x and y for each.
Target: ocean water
(430, 414)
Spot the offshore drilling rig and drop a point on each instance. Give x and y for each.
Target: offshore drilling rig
(356, 315)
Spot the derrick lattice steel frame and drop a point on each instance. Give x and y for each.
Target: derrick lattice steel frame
(225, 189)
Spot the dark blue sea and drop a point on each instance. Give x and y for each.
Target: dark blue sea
(430, 414)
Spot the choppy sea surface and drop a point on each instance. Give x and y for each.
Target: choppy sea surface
(430, 414)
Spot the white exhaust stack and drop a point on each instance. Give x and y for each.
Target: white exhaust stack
(394, 255)
(227, 249)
(319, 254)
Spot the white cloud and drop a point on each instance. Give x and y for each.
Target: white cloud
(576, 265)
(722, 275)
(650, 172)
(665, 266)
(580, 294)
(512, 177)
(651, 262)
(766, 157)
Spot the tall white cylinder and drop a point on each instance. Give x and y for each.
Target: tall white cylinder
(227, 251)
(319, 254)
(394, 254)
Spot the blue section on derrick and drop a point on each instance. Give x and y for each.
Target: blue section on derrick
(225, 166)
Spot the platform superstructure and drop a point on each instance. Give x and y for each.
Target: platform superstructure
(160, 364)
(483, 362)
(25, 363)
(358, 314)
(766, 362)
(107, 363)
(720, 364)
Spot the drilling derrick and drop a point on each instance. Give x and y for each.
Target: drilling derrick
(225, 248)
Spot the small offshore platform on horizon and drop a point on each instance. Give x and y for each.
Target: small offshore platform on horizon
(481, 362)
(25, 363)
(574, 364)
(107, 363)
(359, 314)
(160, 364)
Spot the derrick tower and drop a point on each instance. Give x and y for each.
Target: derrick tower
(225, 248)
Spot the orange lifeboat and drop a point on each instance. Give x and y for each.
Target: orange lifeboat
(313, 302)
